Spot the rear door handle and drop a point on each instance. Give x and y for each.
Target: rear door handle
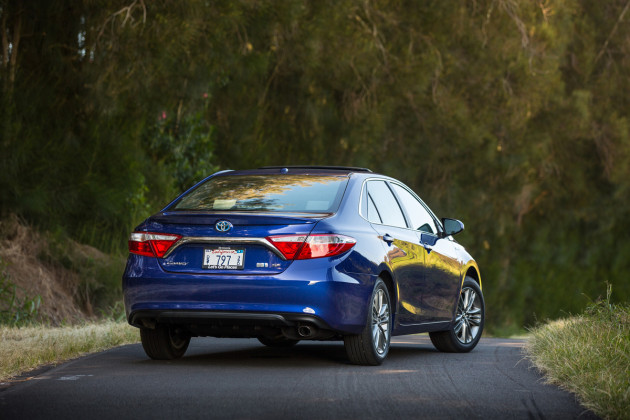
(388, 238)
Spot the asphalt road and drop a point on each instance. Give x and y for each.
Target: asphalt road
(241, 379)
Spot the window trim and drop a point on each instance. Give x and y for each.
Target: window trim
(387, 181)
(438, 225)
(364, 216)
(378, 213)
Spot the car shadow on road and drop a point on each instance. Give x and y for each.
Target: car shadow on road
(305, 353)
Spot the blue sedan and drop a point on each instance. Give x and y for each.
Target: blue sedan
(285, 254)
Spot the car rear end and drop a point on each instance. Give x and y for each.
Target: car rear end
(250, 254)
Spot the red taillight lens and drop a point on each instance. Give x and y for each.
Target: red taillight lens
(319, 246)
(289, 245)
(151, 244)
(301, 247)
(140, 248)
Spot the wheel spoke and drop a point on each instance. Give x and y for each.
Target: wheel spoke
(475, 321)
(458, 326)
(384, 315)
(384, 310)
(378, 340)
(464, 332)
(384, 325)
(380, 347)
(471, 300)
(465, 300)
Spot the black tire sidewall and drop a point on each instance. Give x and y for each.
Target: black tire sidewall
(158, 345)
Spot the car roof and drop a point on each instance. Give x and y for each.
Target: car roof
(299, 170)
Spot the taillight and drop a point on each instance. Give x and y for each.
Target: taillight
(289, 245)
(151, 244)
(303, 247)
(318, 246)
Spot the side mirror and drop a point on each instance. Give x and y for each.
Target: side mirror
(452, 226)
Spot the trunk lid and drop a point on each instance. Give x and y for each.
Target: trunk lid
(242, 249)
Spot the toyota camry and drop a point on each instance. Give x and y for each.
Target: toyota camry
(284, 254)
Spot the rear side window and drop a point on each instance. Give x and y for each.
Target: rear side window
(382, 206)
(276, 193)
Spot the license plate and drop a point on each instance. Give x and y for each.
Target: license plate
(223, 259)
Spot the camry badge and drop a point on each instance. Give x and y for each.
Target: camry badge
(223, 226)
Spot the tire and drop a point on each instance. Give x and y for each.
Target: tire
(468, 323)
(279, 341)
(164, 343)
(372, 345)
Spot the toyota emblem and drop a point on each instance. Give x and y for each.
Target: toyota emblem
(223, 226)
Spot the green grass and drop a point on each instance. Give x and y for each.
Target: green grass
(588, 355)
(25, 348)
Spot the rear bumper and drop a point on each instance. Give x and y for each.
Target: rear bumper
(312, 292)
(237, 324)
(145, 318)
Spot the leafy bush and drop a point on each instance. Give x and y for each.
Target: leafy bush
(184, 146)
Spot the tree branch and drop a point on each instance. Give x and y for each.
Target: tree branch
(127, 11)
(614, 29)
(17, 33)
(5, 40)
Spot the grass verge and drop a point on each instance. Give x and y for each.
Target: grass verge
(25, 348)
(588, 355)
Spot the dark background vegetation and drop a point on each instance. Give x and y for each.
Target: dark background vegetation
(510, 115)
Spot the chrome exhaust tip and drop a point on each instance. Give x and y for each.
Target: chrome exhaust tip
(305, 331)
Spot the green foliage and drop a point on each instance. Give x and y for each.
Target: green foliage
(14, 310)
(183, 147)
(606, 311)
(511, 115)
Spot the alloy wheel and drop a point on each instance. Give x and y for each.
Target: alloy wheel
(468, 319)
(380, 322)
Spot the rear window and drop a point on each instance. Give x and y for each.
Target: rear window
(281, 193)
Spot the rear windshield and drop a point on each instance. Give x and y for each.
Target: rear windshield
(281, 193)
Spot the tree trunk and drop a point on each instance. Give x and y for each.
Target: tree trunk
(10, 48)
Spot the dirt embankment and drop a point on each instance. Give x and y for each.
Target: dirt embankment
(62, 272)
